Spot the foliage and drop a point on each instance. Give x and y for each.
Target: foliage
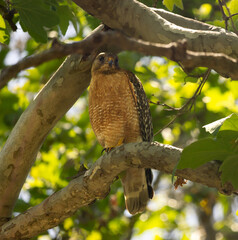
(223, 146)
(171, 3)
(171, 214)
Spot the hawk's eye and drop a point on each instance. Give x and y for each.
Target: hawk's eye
(101, 59)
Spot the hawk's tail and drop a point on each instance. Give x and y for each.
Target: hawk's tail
(137, 189)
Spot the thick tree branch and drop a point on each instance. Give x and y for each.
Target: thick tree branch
(139, 21)
(186, 22)
(95, 184)
(223, 64)
(93, 43)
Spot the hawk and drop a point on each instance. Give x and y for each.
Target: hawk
(119, 113)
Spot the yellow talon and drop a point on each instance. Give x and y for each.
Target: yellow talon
(107, 150)
(120, 142)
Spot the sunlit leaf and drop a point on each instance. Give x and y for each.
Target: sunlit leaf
(171, 3)
(204, 11)
(95, 235)
(4, 37)
(214, 127)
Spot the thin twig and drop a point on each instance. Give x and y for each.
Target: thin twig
(223, 14)
(189, 104)
(228, 17)
(168, 124)
(169, 108)
(225, 17)
(189, 72)
(155, 3)
(232, 15)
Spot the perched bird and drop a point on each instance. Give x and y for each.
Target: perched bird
(119, 113)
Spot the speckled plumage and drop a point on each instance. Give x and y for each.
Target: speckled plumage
(119, 113)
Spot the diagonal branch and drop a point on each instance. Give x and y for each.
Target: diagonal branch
(25, 140)
(95, 184)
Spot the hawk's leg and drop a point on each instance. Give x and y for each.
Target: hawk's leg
(107, 150)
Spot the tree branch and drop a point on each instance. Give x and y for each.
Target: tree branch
(95, 184)
(185, 22)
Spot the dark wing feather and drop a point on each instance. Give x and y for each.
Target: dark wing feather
(143, 108)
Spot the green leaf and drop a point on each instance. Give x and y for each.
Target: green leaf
(229, 170)
(179, 75)
(230, 123)
(209, 149)
(35, 16)
(179, 3)
(21, 206)
(233, 7)
(170, 4)
(203, 151)
(227, 123)
(92, 21)
(230, 139)
(66, 15)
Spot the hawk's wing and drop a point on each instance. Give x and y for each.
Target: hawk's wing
(143, 108)
(137, 182)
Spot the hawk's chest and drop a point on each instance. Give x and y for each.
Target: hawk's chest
(113, 90)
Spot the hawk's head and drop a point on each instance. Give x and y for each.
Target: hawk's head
(105, 62)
